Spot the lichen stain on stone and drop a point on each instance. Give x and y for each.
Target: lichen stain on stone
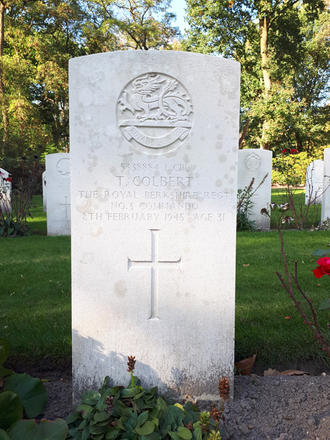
(120, 288)
(97, 232)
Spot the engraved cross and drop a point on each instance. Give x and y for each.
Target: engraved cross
(66, 204)
(154, 264)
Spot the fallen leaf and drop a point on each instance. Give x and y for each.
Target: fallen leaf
(245, 366)
(271, 372)
(287, 317)
(246, 265)
(293, 373)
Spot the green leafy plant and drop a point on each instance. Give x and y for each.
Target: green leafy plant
(136, 413)
(21, 394)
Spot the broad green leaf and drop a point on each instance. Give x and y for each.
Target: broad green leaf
(101, 416)
(84, 410)
(143, 417)
(96, 429)
(198, 434)
(174, 435)
(31, 391)
(91, 397)
(145, 429)
(112, 434)
(5, 371)
(11, 409)
(184, 433)
(30, 430)
(72, 417)
(85, 434)
(130, 423)
(4, 435)
(152, 436)
(130, 392)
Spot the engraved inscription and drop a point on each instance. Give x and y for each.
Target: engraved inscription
(63, 166)
(154, 111)
(154, 264)
(253, 162)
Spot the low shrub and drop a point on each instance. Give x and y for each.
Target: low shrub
(135, 413)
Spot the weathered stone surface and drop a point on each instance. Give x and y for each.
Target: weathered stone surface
(325, 211)
(314, 182)
(58, 194)
(254, 163)
(154, 169)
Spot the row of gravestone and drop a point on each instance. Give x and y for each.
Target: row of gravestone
(252, 164)
(153, 173)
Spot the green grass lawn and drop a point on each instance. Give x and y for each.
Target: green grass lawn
(35, 313)
(37, 222)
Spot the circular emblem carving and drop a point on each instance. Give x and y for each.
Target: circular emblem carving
(63, 166)
(154, 111)
(253, 161)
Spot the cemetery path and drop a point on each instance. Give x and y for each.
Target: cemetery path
(265, 408)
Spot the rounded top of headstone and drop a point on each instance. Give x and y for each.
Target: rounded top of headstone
(154, 54)
(154, 111)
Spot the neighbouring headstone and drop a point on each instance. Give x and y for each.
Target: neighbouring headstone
(44, 191)
(325, 209)
(154, 140)
(5, 190)
(254, 163)
(58, 194)
(314, 182)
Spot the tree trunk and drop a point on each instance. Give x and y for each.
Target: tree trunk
(2, 88)
(265, 65)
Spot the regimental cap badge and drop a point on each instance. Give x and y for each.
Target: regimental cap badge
(253, 162)
(154, 111)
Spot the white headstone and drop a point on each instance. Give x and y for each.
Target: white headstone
(325, 210)
(254, 163)
(154, 140)
(314, 182)
(44, 191)
(5, 190)
(58, 194)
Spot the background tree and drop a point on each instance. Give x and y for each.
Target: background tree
(281, 45)
(129, 24)
(37, 39)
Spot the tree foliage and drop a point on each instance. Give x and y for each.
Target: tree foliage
(39, 38)
(282, 48)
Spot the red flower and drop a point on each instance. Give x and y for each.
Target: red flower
(284, 151)
(324, 267)
(293, 151)
(9, 179)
